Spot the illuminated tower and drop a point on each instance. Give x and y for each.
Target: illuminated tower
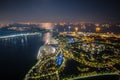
(76, 30)
(97, 29)
(69, 28)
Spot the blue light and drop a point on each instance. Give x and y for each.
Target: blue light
(71, 40)
(59, 59)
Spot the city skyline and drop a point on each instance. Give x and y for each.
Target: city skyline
(59, 11)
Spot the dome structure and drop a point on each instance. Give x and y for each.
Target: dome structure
(45, 50)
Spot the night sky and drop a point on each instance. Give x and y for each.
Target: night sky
(59, 11)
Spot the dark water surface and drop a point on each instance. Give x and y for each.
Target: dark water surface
(18, 55)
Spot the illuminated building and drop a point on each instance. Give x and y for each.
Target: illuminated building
(98, 29)
(69, 28)
(76, 29)
(45, 50)
(59, 59)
